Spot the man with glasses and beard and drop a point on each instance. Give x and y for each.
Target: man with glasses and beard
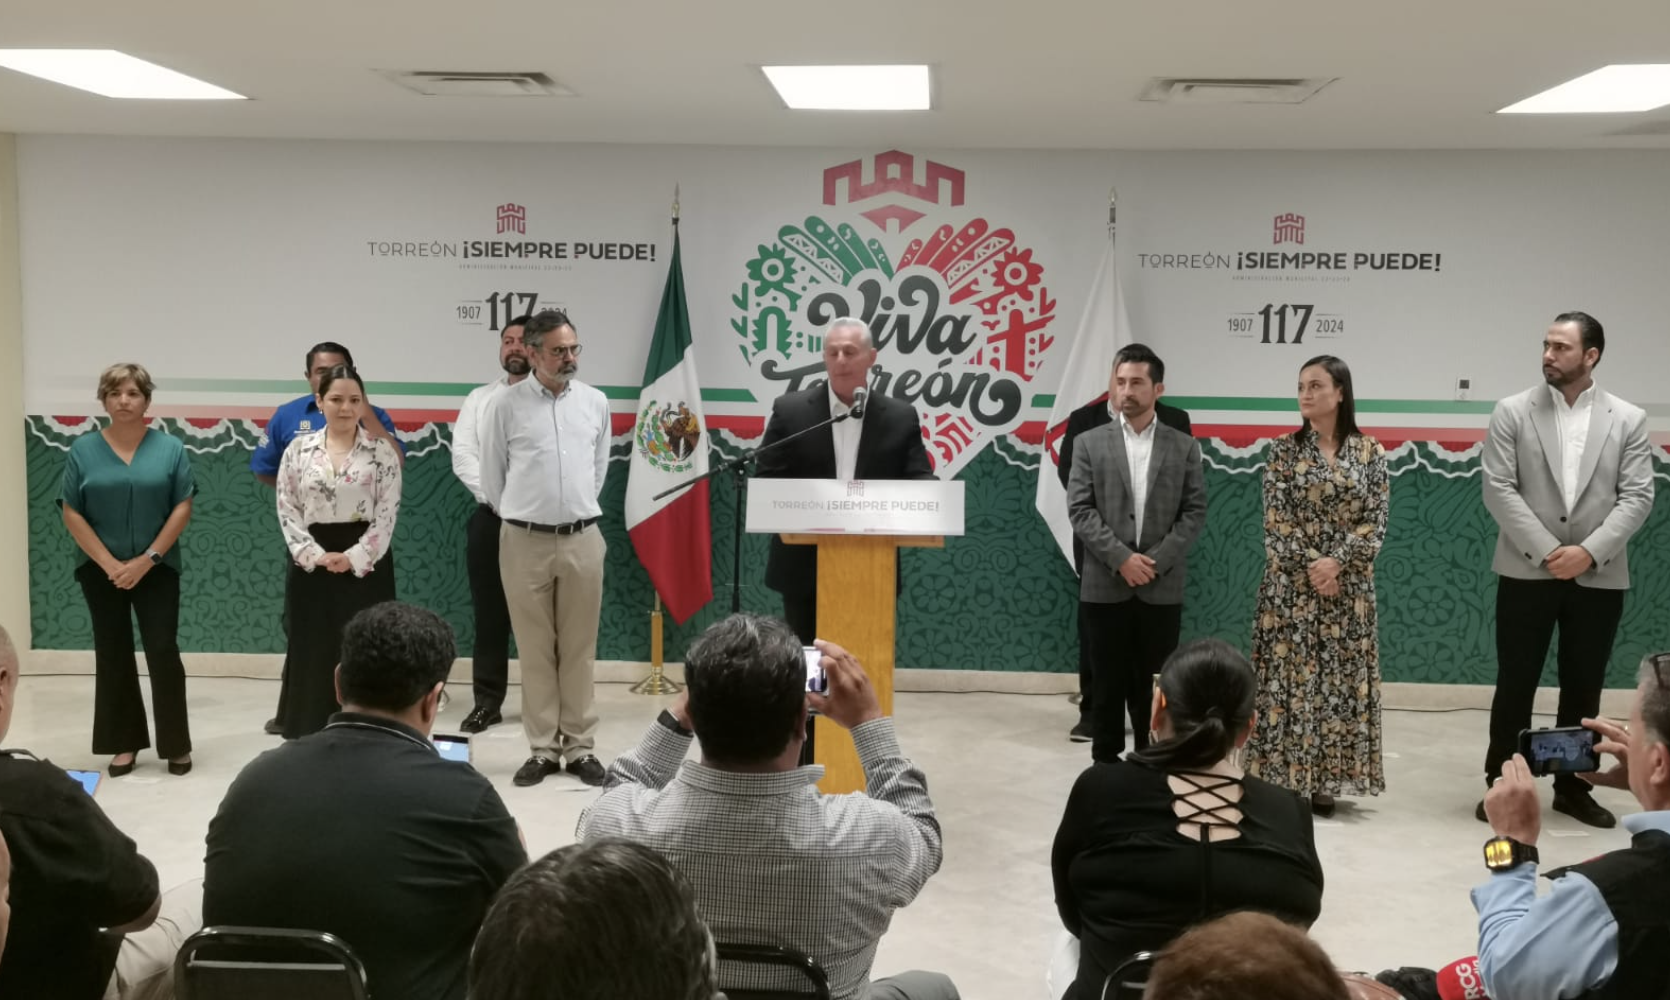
(544, 453)
(490, 654)
(1568, 476)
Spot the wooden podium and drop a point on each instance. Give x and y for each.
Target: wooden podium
(857, 610)
(859, 527)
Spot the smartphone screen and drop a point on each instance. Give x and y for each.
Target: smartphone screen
(89, 779)
(1569, 749)
(815, 679)
(452, 747)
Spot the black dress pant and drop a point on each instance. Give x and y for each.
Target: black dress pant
(491, 651)
(1527, 612)
(1128, 643)
(1087, 675)
(801, 612)
(118, 707)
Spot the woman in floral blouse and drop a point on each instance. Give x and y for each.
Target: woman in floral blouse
(1315, 639)
(338, 500)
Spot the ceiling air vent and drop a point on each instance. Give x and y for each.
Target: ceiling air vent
(431, 83)
(1232, 90)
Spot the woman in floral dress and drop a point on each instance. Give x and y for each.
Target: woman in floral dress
(1315, 637)
(338, 500)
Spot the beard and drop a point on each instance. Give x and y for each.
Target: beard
(1557, 376)
(515, 365)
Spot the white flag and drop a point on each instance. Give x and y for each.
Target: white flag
(1104, 329)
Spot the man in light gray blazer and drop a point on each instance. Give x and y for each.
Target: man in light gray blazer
(1568, 476)
(1136, 496)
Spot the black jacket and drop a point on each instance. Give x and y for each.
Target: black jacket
(889, 447)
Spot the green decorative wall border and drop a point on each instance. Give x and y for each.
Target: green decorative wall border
(999, 598)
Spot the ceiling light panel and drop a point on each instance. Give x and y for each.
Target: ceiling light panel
(109, 73)
(1608, 90)
(852, 88)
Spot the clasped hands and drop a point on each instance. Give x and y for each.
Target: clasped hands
(336, 562)
(1324, 576)
(1137, 570)
(126, 575)
(1568, 562)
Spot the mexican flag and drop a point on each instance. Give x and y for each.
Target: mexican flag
(1104, 328)
(669, 446)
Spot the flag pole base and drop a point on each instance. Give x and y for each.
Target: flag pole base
(657, 683)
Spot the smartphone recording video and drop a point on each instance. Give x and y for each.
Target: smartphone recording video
(816, 680)
(452, 747)
(1566, 750)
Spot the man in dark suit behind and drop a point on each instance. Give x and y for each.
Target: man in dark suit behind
(1136, 496)
(885, 444)
(1088, 417)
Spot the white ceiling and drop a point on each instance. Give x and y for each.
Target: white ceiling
(1416, 74)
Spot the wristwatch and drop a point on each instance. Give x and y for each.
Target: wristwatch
(1504, 854)
(156, 557)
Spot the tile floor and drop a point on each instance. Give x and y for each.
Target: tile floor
(999, 767)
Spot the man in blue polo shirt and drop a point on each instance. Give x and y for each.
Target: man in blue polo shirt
(302, 416)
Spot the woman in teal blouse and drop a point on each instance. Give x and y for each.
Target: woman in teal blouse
(127, 496)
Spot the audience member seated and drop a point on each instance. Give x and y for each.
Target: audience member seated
(773, 861)
(77, 885)
(361, 829)
(1603, 930)
(606, 920)
(1176, 833)
(1245, 956)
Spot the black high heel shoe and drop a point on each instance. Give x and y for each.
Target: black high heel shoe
(179, 767)
(118, 770)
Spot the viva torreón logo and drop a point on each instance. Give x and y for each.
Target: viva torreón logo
(955, 302)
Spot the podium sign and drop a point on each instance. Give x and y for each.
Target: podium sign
(858, 528)
(855, 507)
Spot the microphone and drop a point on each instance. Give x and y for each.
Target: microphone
(1461, 981)
(859, 395)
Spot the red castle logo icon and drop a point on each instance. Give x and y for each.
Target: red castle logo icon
(515, 218)
(895, 173)
(1289, 228)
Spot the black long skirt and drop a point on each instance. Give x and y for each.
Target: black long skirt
(319, 605)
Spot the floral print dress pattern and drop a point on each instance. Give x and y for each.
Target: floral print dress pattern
(1318, 657)
(311, 492)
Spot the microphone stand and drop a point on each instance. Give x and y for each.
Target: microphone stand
(737, 469)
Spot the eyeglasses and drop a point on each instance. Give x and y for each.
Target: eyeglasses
(1661, 668)
(572, 350)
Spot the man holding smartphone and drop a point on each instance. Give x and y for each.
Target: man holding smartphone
(746, 704)
(1600, 931)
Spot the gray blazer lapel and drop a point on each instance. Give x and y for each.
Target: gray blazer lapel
(1122, 458)
(1600, 428)
(1548, 431)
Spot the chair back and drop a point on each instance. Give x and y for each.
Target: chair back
(267, 963)
(817, 981)
(1129, 978)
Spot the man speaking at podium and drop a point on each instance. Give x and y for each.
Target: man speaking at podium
(880, 439)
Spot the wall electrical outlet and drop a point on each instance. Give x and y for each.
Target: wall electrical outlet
(1463, 388)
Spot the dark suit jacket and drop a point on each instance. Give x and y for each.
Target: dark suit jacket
(1091, 416)
(889, 447)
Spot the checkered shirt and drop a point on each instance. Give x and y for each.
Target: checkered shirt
(772, 860)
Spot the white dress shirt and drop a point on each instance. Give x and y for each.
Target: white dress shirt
(466, 436)
(1139, 449)
(847, 433)
(1573, 424)
(543, 456)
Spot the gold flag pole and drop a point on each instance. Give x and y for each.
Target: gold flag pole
(657, 682)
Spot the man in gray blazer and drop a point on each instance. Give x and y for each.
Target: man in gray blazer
(1568, 476)
(1136, 496)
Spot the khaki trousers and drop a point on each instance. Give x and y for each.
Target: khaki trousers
(553, 585)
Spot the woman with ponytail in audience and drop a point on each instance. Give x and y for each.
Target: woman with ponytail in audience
(1177, 834)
